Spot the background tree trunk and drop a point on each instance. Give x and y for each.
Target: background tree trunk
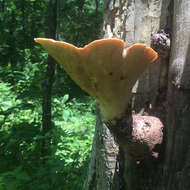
(162, 91)
(48, 80)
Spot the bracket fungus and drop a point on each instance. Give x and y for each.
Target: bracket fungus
(107, 70)
(104, 68)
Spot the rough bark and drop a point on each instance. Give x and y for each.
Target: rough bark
(103, 159)
(163, 91)
(177, 160)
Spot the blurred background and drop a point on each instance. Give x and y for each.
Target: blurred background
(46, 121)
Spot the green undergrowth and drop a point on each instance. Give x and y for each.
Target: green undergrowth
(21, 163)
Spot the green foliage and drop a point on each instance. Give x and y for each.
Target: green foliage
(77, 123)
(22, 166)
(20, 22)
(22, 70)
(86, 19)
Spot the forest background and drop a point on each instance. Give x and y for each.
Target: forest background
(29, 157)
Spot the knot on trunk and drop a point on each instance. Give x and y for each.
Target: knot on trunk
(138, 135)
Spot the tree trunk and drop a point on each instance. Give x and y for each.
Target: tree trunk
(48, 80)
(177, 158)
(104, 157)
(163, 91)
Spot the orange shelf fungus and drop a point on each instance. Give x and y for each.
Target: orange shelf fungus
(105, 68)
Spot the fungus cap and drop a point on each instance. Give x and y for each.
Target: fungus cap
(105, 68)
